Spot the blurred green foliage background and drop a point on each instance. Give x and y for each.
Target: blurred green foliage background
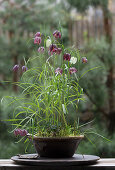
(19, 21)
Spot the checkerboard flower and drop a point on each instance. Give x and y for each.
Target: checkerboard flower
(48, 42)
(84, 60)
(24, 68)
(57, 34)
(72, 70)
(21, 132)
(67, 56)
(16, 68)
(38, 34)
(37, 40)
(73, 60)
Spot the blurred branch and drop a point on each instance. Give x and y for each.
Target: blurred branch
(93, 101)
(1, 84)
(2, 2)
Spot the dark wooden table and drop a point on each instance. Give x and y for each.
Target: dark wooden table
(102, 164)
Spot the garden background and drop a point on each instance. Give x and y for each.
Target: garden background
(85, 24)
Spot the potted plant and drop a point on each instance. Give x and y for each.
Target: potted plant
(48, 92)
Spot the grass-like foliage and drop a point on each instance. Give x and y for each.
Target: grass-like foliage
(48, 88)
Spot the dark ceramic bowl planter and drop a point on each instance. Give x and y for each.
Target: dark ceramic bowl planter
(56, 147)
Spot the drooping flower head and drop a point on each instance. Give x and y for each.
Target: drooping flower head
(57, 50)
(84, 60)
(58, 71)
(38, 34)
(52, 47)
(16, 132)
(21, 132)
(73, 60)
(16, 68)
(37, 40)
(72, 70)
(41, 49)
(57, 34)
(48, 42)
(67, 56)
(24, 68)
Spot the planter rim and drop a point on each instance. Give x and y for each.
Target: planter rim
(55, 138)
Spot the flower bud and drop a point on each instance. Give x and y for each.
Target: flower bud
(72, 70)
(48, 42)
(67, 56)
(21, 132)
(73, 60)
(84, 60)
(38, 34)
(37, 40)
(52, 47)
(16, 132)
(24, 68)
(16, 68)
(57, 34)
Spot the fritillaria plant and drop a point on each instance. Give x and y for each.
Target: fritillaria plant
(49, 90)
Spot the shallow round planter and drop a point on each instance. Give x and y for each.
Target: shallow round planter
(56, 147)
